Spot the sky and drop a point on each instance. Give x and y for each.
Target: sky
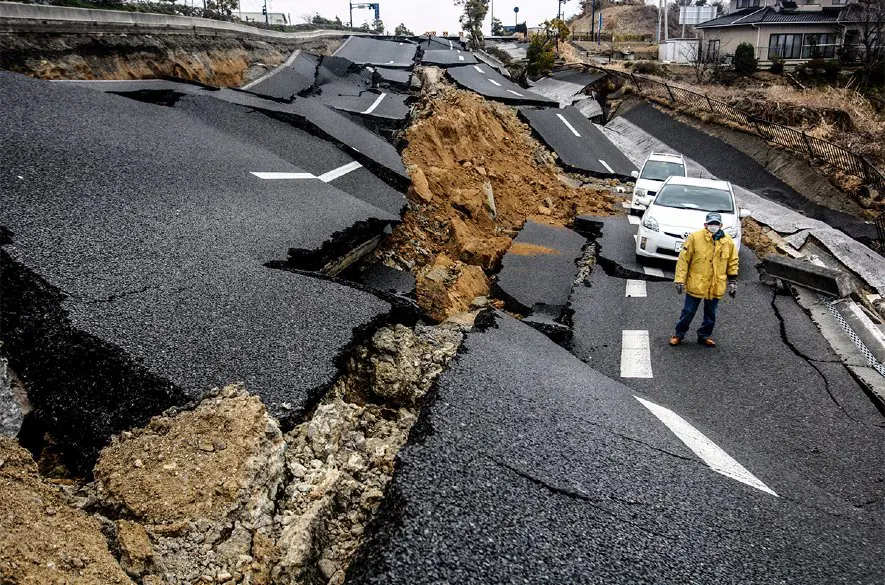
(419, 16)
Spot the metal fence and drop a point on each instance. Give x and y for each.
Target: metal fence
(776, 134)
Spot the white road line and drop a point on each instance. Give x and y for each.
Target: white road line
(477, 67)
(653, 271)
(376, 104)
(605, 164)
(514, 92)
(276, 176)
(633, 219)
(636, 288)
(635, 354)
(391, 62)
(451, 46)
(339, 172)
(460, 57)
(493, 82)
(710, 453)
(568, 125)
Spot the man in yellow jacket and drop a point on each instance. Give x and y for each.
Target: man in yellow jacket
(707, 267)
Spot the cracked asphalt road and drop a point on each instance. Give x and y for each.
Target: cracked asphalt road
(531, 467)
(773, 394)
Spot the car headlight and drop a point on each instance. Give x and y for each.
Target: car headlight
(650, 223)
(732, 231)
(640, 192)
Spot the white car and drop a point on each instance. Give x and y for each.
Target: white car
(658, 166)
(680, 208)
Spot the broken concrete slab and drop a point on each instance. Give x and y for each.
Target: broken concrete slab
(385, 278)
(448, 57)
(803, 273)
(396, 77)
(440, 44)
(288, 80)
(566, 86)
(539, 269)
(365, 51)
(616, 249)
(11, 415)
(579, 144)
(489, 83)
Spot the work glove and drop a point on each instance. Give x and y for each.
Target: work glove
(680, 288)
(732, 288)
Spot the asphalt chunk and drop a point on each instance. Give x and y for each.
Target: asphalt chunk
(365, 51)
(489, 83)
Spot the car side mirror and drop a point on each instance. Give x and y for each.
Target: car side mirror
(742, 213)
(634, 174)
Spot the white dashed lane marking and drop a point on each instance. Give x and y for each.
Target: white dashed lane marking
(636, 288)
(605, 164)
(277, 176)
(568, 125)
(478, 68)
(377, 102)
(493, 82)
(710, 453)
(516, 93)
(339, 172)
(653, 271)
(633, 219)
(635, 354)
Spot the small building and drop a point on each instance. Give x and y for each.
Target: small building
(678, 50)
(791, 30)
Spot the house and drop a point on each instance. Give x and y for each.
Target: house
(792, 30)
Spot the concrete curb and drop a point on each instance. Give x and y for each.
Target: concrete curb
(16, 17)
(820, 278)
(868, 332)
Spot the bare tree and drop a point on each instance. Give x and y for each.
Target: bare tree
(471, 21)
(869, 16)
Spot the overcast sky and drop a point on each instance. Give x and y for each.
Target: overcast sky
(418, 15)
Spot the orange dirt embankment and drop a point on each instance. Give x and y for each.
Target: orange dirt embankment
(477, 176)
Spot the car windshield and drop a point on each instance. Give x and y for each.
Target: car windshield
(695, 197)
(658, 170)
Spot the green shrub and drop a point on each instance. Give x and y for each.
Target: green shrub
(540, 55)
(820, 69)
(777, 66)
(745, 62)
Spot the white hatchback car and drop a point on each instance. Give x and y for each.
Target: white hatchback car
(680, 208)
(658, 166)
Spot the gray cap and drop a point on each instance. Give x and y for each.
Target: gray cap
(713, 217)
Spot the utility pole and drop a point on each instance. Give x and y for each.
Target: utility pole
(266, 15)
(351, 13)
(666, 24)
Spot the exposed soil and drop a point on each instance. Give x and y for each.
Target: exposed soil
(219, 61)
(43, 539)
(754, 235)
(477, 175)
(521, 249)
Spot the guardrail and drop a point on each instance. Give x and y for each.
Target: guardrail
(783, 136)
(19, 16)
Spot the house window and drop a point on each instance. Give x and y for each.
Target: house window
(784, 47)
(819, 46)
(747, 4)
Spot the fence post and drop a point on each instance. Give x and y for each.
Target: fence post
(672, 98)
(755, 121)
(636, 81)
(709, 103)
(867, 173)
(808, 146)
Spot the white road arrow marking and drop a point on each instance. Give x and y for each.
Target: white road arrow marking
(710, 453)
(635, 354)
(652, 271)
(605, 164)
(568, 125)
(636, 288)
(377, 102)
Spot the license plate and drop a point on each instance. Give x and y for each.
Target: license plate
(678, 246)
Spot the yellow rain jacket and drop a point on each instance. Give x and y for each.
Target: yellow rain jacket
(705, 265)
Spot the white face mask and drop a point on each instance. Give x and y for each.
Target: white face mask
(713, 228)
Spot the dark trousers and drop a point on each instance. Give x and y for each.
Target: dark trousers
(688, 311)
